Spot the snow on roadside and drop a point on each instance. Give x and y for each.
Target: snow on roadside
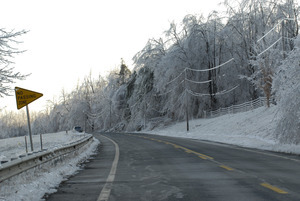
(35, 183)
(13, 147)
(253, 129)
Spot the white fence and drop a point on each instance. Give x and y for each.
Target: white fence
(244, 107)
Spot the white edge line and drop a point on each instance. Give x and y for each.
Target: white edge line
(105, 192)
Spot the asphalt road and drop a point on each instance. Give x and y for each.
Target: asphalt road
(138, 167)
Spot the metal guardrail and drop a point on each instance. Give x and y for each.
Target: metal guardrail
(19, 165)
(244, 107)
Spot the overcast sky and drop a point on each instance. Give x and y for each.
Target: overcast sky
(69, 38)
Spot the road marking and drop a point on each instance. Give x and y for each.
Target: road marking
(202, 157)
(198, 154)
(177, 147)
(249, 150)
(273, 188)
(226, 167)
(105, 193)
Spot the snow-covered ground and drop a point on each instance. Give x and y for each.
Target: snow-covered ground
(13, 147)
(254, 129)
(32, 185)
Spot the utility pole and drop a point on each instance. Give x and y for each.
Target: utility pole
(283, 39)
(85, 122)
(145, 109)
(186, 102)
(109, 113)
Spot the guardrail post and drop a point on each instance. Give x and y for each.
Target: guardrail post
(26, 145)
(41, 142)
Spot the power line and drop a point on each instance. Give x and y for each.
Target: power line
(161, 94)
(269, 47)
(198, 70)
(200, 82)
(205, 70)
(290, 19)
(215, 94)
(176, 77)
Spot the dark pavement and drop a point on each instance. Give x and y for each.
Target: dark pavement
(164, 168)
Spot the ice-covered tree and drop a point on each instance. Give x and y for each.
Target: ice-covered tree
(12, 124)
(287, 89)
(7, 52)
(263, 32)
(201, 56)
(124, 73)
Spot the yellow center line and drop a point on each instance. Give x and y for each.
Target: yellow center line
(226, 167)
(202, 157)
(206, 156)
(189, 151)
(199, 154)
(273, 188)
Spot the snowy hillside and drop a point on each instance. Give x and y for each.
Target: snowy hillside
(255, 129)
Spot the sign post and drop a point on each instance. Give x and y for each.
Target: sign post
(29, 128)
(23, 98)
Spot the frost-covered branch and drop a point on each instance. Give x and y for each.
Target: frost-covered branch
(7, 52)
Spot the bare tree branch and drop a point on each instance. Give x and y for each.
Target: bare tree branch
(7, 52)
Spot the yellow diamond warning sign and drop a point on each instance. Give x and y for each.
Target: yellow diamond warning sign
(24, 96)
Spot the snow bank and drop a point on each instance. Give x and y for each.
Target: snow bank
(253, 129)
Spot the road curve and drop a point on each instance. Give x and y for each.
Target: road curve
(157, 168)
